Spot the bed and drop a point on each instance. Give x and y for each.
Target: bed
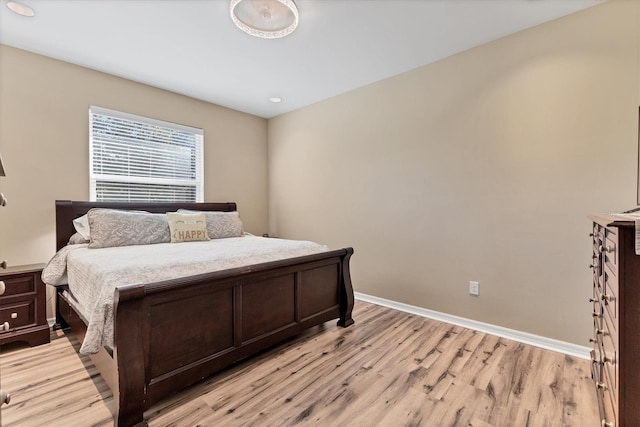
(260, 305)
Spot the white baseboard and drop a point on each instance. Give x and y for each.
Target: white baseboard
(523, 337)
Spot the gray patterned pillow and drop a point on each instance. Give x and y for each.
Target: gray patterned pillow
(221, 225)
(76, 239)
(112, 227)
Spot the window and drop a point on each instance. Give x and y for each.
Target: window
(133, 158)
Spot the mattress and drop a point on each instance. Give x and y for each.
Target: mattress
(94, 274)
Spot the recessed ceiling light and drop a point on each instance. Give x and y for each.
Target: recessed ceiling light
(275, 99)
(20, 9)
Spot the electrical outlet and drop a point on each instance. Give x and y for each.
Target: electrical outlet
(474, 288)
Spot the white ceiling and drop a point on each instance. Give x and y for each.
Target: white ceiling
(192, 47)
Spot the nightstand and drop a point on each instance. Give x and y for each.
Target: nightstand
(23, 313)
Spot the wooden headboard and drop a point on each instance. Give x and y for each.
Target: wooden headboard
(67, 211)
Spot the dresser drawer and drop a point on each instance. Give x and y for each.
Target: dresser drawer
(596, 306)
(608, 360)
(22, 284)
(609, 296)
(609, 413)
(606, 406)
(598, 232)
(596, 367)
(610, 250)
(18, 314)
(598, 278)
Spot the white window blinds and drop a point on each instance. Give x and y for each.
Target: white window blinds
(133, 158)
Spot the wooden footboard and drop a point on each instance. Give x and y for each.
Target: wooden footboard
(171, 334)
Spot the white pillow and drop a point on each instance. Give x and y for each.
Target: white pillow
(81, 225)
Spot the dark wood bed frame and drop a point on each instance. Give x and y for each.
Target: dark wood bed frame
(170, 334)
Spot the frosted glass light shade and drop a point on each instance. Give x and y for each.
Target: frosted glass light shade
(21, 9)
(267, 19)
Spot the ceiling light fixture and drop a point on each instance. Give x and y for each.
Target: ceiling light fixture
(21, 9)
(267, 19)
(275, 99)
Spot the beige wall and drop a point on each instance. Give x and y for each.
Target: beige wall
(44, 145)
(482, 166)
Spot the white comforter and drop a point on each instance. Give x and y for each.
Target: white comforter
(94, 274)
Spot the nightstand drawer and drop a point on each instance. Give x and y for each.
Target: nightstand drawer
(18, 314)
(19, 285)
(23, 305)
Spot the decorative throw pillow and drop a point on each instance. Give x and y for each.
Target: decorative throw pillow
(221, 225)
(112, 227)
(187, 227)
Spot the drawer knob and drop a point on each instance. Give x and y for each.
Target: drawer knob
(3, 287)
(591, 234)
(608, 360)
(607, 298)
(5, 398)
(607, 248)
(601, 332)
(594, 314)
(601, 385)
(4, 327)
(605, 423)
(15, 315)
(592, 300)
(591, 340)
(592, 266)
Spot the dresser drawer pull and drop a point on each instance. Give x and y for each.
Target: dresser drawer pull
(4, 327)
(15, 315)
(3, 287)
(609, 361)
(601, 332)
(597, 315)
(605, 423)
(607, 248)
(601, 385)
(608, 298)
(592, 340)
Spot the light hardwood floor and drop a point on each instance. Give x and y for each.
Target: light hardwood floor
(389, 369)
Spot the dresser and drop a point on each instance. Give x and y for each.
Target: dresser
(615, 357)
(23, 315)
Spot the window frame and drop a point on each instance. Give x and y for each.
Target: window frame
(198, 182)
